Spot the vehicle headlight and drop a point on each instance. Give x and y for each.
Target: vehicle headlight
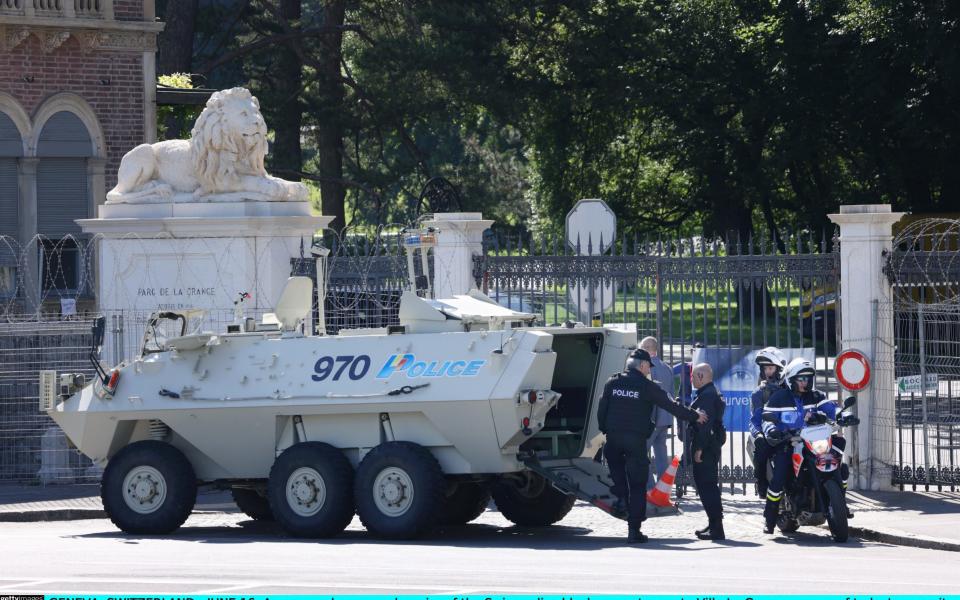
(820, 446)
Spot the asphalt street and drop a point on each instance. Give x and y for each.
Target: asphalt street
(226, 553)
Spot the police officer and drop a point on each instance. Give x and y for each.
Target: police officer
(625, 416)
(706, 440)
(771, 362)
(798, 401)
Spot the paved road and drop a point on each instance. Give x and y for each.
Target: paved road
(220, 553)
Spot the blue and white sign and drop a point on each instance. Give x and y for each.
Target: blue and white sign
(736, 375)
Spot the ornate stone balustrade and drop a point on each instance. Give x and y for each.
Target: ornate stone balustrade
(58, 9)
(94, 24)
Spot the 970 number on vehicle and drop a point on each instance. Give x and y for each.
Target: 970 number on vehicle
(354, 366)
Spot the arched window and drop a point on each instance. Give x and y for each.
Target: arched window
(11, 148)
(63, 195)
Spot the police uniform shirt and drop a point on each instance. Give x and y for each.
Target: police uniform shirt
(785, 401)
(628, 401)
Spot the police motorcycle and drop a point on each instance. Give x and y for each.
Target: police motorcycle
(814, 493)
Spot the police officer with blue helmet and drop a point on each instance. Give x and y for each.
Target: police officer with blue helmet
(625, 415)
(785, 412)
(771, 362)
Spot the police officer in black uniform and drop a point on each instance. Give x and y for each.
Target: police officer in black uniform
(625, 415)
(706, 441)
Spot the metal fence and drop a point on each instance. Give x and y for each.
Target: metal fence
(926, 423)
(693, 295)
(48, 303)
(924, 271)
(32, 447)
(364, 275)
(719, 299)
(54, 279)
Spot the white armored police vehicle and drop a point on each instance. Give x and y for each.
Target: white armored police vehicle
(408, 426)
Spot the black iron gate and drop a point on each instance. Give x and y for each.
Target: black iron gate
(717, 300)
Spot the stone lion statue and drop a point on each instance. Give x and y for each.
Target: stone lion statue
(222, 162)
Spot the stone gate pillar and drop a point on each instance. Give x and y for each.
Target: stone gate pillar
(460, 238)
(866, 231)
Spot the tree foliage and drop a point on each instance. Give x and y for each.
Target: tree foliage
(723, 117)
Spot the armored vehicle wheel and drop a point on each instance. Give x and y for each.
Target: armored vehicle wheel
(399, 490)
(311, 490)
(253, 504)
(148, 487)
(467, 502)
(531, 501)
(836, 512)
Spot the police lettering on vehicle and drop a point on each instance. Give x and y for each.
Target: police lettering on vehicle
(356, 367)
(412, 368)
(625, 393)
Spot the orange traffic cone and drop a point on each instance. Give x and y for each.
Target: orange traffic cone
(660, 494)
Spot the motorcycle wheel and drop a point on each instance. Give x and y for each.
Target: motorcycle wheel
(836, 512)
(787, 524)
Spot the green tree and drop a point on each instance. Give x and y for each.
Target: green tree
(732, 118)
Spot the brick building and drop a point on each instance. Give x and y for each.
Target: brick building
(77, 91)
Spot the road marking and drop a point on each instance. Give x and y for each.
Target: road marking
(221, 590)
(36, 582)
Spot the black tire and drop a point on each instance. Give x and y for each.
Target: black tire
(467, 502)
(399, 490)
(253, 503)
(836, 512)
(787, 524)
(533, 503)
(154, 477)
(311, 490)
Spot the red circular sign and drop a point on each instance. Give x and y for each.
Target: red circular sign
(852, 370)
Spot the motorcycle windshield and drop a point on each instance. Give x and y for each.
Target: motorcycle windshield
(816, 433)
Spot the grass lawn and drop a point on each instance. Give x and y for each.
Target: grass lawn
(707, 315)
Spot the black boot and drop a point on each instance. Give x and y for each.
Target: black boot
(700, 532)
(714, 531)
(635, 536)
(770, 513)
(619, 508)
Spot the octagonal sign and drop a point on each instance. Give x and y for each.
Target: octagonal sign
(591, 221)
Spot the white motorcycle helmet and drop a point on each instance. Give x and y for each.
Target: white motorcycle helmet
(797, 367)
(771, 356)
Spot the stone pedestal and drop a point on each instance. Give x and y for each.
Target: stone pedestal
(865, 232)
(195, 255)
(459, 240)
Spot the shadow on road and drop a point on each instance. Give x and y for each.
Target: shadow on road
(801, 538)
(557, 537)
